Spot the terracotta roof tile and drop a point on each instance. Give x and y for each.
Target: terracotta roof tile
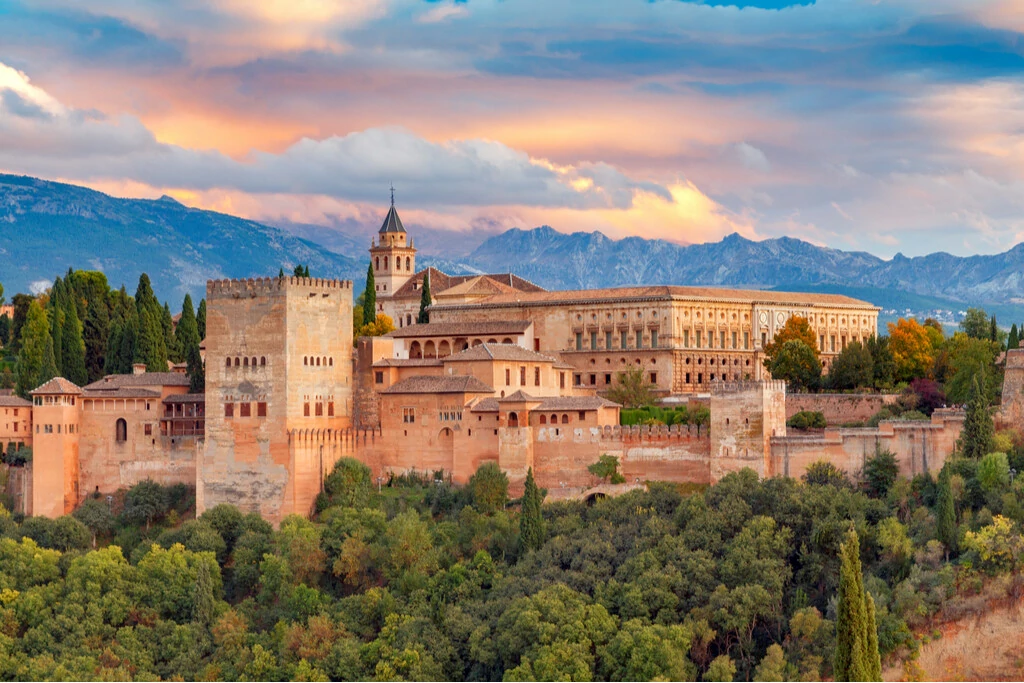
(14, 402)
(408, 363)
(121, 392)
(511, 352)
(441, 281)
(575, 403)
(57, 385)
(518, 397)
(447, 384)
(146, 379)
(487, 405)
(185, 398)
(462, 329)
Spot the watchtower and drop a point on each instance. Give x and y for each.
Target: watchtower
(392, 255)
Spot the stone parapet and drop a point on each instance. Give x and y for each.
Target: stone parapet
(262, 286)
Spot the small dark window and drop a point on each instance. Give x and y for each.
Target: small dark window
(305, 410)
(318, 362)
(378, 377)
(261, 409)
(607, 378)
(263, 361)
(654, 378)
(305, 360)
(149, 430)
(536, 377)
(582, 415)
(543, 419)
(330, 409)
(227, 362)
(245, 362)
(508, 377)
(245, 409)
(565, 419)
(229, 410)
(593, 380)
(330, 361)
(237, 363)
(319, 409)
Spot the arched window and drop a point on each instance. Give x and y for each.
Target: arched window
(330, 361)
(237, 362)
(318, 362)
(385, 263)
(254, 361)
(565, 419)
(376, 265)
(513, 420)
(408, 319)
(305, 360)
(227, 362)
(245, 362)
(325, 361)
(121, 430)
(543, 419)
(554, 419)
(408, 263)
(263, 360)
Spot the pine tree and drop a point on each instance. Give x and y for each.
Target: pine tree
(35, 336)
(201, 319)
(856, 649)
(186, 335)
(73, 346)
(196, 371)
(425, 300)
(531, 522)
(280, 274)
(946, 514)
(369, 296)
(1013, 340)
(976, 437)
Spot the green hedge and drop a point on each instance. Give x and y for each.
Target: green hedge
(651, 415)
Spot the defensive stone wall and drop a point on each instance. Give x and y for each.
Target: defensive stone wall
(839, 409)
(1011, 412)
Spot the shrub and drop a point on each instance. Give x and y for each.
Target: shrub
(880, 471)
(807, 419)
(823, 473)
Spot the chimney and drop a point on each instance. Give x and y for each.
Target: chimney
(138, 368)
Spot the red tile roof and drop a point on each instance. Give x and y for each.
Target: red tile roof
(447, 384)
(57, 385)
(462, 329)
(510, 352)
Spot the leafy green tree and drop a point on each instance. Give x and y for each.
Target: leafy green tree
(883, 362)
(966, 356)
(488, 488)
(824, 473)
(631, 389)
(855, 659)
(976, 324)
(144, 502)
(721, 668)
(978, 430)
(645, 652)
(999, 545)
(168, 579)
(993, 330)
(607, 468)
(94, 298)
(945, 513)
(774, 666)
(796, 363)
(797, 328)
(5, 329)
(96, 516)
(201, 319)
(55, 316)
(21, 303)
(531, 521)
(994, 472)
(49, 369)
(32, 358)
(1013, 340)
(151, 348)
(370, 296)
(349, 484)
(852, 368)
(880, 472)
(425, 300)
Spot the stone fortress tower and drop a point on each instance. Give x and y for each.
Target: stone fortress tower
(278, 362)
(392, 255)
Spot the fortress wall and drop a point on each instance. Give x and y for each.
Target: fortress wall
(839, 408)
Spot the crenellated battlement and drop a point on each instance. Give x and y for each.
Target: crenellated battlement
(637, 433)
(739, 386)
(237, 288)
(307, 437)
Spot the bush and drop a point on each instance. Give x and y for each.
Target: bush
(823, 473)
(349, 484)
(489, 488)
(880, 471)
(807, 419)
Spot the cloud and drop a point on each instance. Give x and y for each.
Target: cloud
(443, 12)
(752, 157)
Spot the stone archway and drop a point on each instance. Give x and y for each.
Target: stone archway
(444, 349)
(415, 351)
(429, 349)
(513, 419)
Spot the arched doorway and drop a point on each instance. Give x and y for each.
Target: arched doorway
(513, 420)
(121, 430)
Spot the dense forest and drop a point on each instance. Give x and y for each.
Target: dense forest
(418, 579)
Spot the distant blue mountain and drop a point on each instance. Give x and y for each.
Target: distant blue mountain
(46, 227)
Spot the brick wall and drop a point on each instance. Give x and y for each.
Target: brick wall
(839, 409)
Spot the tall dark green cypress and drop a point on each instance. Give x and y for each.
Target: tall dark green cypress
(856, 654)
(196, 371)
(976, 436)
(425, 299)
(112, 359)
(49, 369)
(170, 341)
(201, 319)
(151, 333)
(73, 346)
(129, 345)
(993, 330)
(531, 521)
(945, 514)
(55, 313)
(369, 297)
(1013, 341)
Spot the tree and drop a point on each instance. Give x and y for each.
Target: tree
(912, 349)
(370, 296)
(994, 473)
(1013, 341)
(797, 328)
(201, 319)
(381, 325)
(151, 347)
(631, 389)
(883, 362)
(55, 316)
(824, 473)
(796, 363)
(993, 330)
(966, 356)
(978, 431)
(21, 302)
(186, 334)
(880, 472)
(945, 513)
(976, 324)
(144, 502)
(32, 358)
(170, 343)
(5, 329)
(96, 516)
(488, 488)
(531, 522)
(73, 346)
(852, 368)
(999, 545)
(721, 668)
(774, 666)
(349, 484)
(196, 371)
(855, 658)
(425, 300)
(607, 468)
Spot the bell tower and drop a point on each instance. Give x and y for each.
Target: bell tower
(392, 255)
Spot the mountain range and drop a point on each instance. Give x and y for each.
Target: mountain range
(46, 227)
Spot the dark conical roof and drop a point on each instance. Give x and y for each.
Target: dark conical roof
(392, 223)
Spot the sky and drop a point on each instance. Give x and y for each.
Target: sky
(878, 125)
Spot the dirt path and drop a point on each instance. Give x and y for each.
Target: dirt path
(989, 647)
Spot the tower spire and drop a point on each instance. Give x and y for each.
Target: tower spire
(392, 194)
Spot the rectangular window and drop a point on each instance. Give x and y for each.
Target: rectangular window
(305, 410)
(607, 340)
(593, 341)
(330, 409)
(711, 339)
(607, 378)
(593, 380)
(378, 377)
(245, 409)
(623, 339)
(832, 343)
(687, 378)
(746, 341)
(229, 410)
(15, 426)
(734, 344)
(261, 409)
(639, 339)
(582, 414)
(700, 378)
(536, 377)
(536, 344)
(843, 346)
(561, 380)
(721, 339)
(654, 378)
(522, 375)
(319, 409)
(654, 339)
(821, 342)
(686, 339)
(409, 415)
(764, 339)
(700, 338)
(577, 379)
(58, 429)
(148, 430)
(579, 341)
(508, 377)
(48, 429)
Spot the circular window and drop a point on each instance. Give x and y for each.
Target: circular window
(653, 361)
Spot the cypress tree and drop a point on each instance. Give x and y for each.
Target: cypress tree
(35, 334)
(55, 312)
(306, 272)
(112, 361)
(170, 342)
(874, 656)
(150, 347)
(978, 431)
(49, 369)
(201, 319)
(186, 335)
(369, 297)
(129, 345)
(856, 650)
(993, 330)
(946, 514)
(73, 346)
(196, 371)
(531, 522)
(1013, 340)
(425, 300)
(280, 274)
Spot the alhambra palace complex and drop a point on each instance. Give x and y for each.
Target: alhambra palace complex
(504, 372)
